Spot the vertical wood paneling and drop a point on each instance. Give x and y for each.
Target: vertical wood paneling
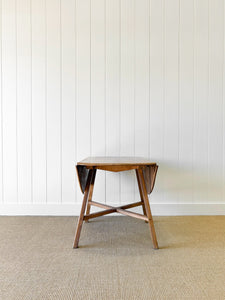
(104, 77)
(141, 81)
(38, 84)
(215, 100)
(127, 143)
(171, 117)
(141, 88)
(186, 100)
(24, 134)
(201, 94)
(157, 89)
(9, 101)
(112, 116)
(1, 114)
(83, 112)
(223, 178)
(68, 100)
(98, 89)
(54, 101)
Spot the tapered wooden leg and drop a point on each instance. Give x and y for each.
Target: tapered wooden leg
(147, 208)
(90, 193)
(141, 195)
(84, 203)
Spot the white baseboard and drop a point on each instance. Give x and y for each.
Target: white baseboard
(74, 209)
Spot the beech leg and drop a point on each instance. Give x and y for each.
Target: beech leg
(147, 208)
(84, 203)
(90, 193)
(141, 195)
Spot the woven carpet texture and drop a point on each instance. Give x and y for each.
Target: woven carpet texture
(115, 259)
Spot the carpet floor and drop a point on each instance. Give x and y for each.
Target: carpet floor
(115, 259)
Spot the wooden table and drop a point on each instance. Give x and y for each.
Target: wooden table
(145, 173)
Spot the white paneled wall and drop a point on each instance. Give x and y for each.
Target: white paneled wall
(118, 78)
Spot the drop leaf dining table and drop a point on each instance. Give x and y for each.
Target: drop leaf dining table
(145, 173)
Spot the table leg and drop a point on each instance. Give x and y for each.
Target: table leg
(147, 208)
(141, 194)
(84, 203)
(91, 192)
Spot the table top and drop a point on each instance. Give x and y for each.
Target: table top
(115, 161)
(117, 164)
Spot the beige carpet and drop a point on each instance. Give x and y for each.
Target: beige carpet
(115, 259)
